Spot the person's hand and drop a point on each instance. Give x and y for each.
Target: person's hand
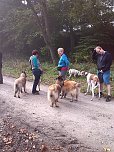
(101, 71)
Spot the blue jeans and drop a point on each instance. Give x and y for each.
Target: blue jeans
(37, 74)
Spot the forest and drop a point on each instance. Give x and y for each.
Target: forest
(76, 25)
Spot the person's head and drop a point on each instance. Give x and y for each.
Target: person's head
(99, 50)
(35, 52)
(60, 51)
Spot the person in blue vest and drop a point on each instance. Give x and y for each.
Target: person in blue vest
(63, 63)
(104, 61)
(36, 70)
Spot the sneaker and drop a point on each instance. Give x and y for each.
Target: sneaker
(108, 98)
(36, 93)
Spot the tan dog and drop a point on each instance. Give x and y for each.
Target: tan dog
(54, 91)
(93, 82)
(19, 84)
(71, 87)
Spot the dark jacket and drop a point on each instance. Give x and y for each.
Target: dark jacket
(103, 61)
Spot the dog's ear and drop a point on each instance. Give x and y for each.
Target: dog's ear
(86, 73)
(24, 73)
(61, 78)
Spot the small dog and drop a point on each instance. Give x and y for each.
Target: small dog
(54, 91)
(92, 82)
(73, 72)
(71, 87)
(19, 84)
(83, 73)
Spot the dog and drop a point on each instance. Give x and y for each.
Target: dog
(19, 84)
(54, 91)
(83, 73)
(92, 83)
(71, 87)
(73, 72)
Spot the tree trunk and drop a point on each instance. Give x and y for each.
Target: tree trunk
(44, 27)
(1, 77)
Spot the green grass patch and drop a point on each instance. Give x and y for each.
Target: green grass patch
(13, 68)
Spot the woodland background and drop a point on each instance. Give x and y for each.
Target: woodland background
(76, 25)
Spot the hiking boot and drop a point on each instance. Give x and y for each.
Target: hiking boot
(108, 98)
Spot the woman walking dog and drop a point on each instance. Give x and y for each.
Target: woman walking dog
(36, 70)
(63, 63)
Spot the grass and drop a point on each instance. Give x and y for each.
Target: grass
(13, 68)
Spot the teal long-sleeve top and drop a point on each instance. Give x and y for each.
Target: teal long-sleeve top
(34, 62)
(63, 61)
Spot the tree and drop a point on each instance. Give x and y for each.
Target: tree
(1, 78)
(43, 23)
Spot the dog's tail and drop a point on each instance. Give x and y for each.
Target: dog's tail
(16, 87)
(50, 95)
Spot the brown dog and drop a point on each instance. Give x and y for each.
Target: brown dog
(54, 91)
(19, 84)
(71, 87)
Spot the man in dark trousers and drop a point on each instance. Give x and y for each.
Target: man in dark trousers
(1, 78)
(104, 62)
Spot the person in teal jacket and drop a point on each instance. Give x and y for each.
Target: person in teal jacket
(36, 70)
(63, 63)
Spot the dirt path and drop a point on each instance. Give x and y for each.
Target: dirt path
(84, 126)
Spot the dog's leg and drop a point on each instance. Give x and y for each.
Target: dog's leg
(88, 86)
(39, 85)
(25, 89)
(56, 103)
(92, 90)
(69, 76)
(62, 94)
(15, 92)
(77, 93)
(99, 91)
(72, 97)
(51, 105)
(19, 91)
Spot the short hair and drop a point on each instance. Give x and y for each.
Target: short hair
(34, 52)
(99, 47)
(60, 50)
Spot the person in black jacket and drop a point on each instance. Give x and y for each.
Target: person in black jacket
(104, 61)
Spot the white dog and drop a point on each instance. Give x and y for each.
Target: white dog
(73, 72)
(83, 73)
(92, 82)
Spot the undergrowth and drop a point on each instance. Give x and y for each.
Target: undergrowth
(13, 68)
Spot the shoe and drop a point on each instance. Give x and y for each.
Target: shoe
(108, 98)
(36, 93)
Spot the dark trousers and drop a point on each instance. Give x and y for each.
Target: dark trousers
(37, 74)
(1, 77)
